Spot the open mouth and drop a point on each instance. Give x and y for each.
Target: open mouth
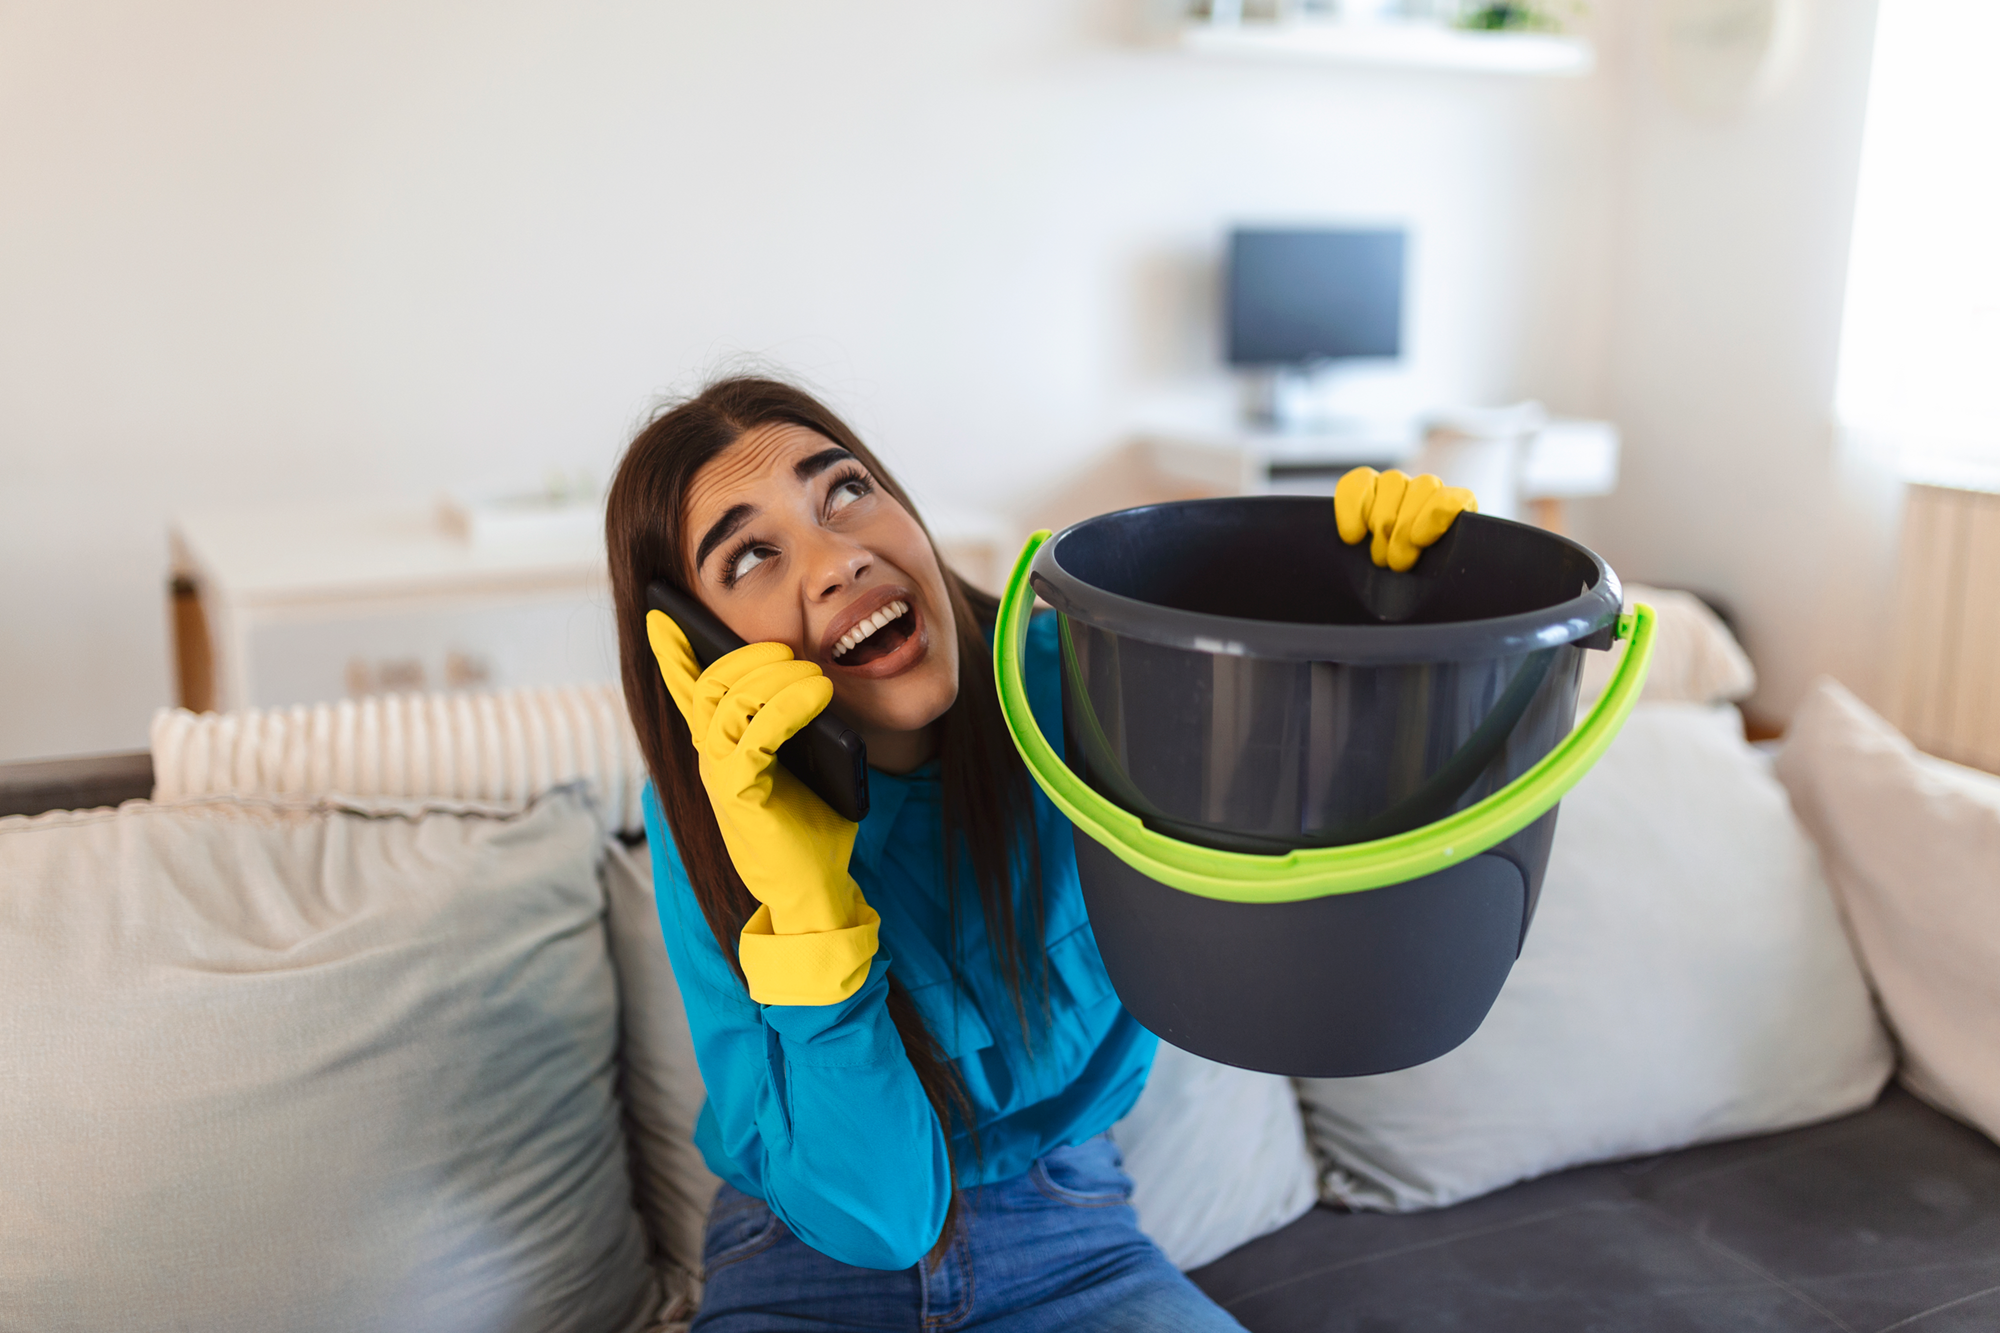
(877, 636)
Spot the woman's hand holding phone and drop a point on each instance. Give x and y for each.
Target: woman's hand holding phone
(812, 938)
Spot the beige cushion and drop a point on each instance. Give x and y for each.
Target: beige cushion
(1696, 659)
(1686, 978)
(663, 1091)
(311, 1066)
(1913, 846)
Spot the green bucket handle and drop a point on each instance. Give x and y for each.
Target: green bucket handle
(1313, 872)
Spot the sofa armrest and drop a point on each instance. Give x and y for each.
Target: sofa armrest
(36, 786)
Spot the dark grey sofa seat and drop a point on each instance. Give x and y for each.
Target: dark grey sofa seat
(1889, 1219)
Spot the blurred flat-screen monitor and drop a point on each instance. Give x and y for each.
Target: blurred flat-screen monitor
(1297, 296)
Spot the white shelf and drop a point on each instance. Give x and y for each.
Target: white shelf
(1394, 46)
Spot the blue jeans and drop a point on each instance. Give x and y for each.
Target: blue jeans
(1057, 1248)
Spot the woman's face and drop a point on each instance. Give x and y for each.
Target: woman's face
(791, 541)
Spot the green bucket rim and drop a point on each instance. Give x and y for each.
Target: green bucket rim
(1314, 872)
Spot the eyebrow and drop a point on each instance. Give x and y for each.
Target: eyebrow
(811, 466)
(737, 515)
(721, 531)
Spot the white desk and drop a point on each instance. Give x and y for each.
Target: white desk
(298, 604)
(1527, 474)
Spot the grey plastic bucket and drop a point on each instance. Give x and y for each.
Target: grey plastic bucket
(1239, 678)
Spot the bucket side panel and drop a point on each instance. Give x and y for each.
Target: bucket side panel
(1529, 851)
(1259, 754)
(1334, 987)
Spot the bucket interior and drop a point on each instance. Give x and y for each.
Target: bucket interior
(1249, 750)
(1280, 558)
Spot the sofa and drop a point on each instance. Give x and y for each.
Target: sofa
(356, 1018)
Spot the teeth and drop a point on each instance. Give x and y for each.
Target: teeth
(854, 637)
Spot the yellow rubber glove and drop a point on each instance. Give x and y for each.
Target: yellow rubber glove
(1405, 514)
(811, 940)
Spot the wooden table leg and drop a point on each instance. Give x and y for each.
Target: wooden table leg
(194, 656)
(1547, 513)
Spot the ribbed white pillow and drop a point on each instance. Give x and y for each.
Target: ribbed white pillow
(511, 745)
(315, 1066)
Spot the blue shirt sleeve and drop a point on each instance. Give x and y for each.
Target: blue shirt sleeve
(813, 1108)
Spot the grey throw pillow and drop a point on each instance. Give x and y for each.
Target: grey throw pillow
(312, 1066)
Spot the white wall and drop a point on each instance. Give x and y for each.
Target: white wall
(341, 248)
(1730, 250)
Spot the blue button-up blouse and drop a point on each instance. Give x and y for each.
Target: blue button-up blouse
(816, 1110)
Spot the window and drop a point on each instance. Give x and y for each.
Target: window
(1920, 354)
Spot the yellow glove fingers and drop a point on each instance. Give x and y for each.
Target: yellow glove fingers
(1404, 514)
(732, 667)
(676, 660)
(721, 677)
(1351, 499)
(789, 710)
(1421, 525)
(1382, 511)
(1416, 495)
(735, 711)
(1439, 512)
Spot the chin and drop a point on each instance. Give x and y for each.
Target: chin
(905, 704)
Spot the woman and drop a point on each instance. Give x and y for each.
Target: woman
(907, 1098)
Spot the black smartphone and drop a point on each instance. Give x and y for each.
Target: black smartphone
(826, 754)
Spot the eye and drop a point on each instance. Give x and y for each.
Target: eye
(743, 559)
(847, 487)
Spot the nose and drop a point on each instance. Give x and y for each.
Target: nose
(833, 565)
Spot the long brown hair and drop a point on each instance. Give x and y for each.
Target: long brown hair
(987, 814)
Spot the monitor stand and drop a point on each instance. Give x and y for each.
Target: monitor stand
(1285, 399)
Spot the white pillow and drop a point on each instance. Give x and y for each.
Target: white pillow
(1912, 845)
(663, 1091)
(1217, 1156)
(1695, 658)
(311, 1066)
(1686, 978)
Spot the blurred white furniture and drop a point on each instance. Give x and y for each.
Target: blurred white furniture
(1249, 461)
(1568, 460)
(1391, 44)
(1520, 463)
(301, 604)
(1482, 450)
(1516, 460)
